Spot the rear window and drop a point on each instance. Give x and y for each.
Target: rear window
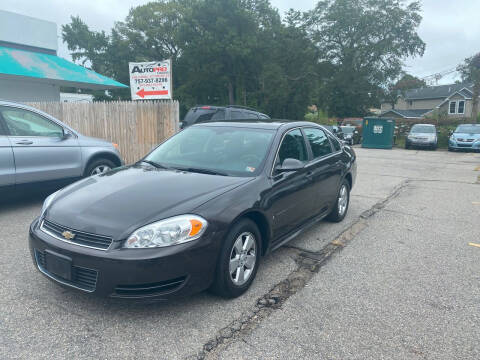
(197, 115)
(237, 115)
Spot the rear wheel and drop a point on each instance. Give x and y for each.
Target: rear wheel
(341, 206)
(99, 166)
(238, 261)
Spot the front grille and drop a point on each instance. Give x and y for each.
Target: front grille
(81, 238)
(158, 288)
(82, 278)
(464, 145)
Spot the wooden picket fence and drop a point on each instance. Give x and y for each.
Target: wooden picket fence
(135, 126)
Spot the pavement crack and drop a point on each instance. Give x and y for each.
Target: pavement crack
(308, 264)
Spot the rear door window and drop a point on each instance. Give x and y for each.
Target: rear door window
(237, 115)
(219, 115)
(335, 143)
(318, 141)
(199, 115)
(250, 115)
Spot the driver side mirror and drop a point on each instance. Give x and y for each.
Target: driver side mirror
(290, 165)
(66, 134)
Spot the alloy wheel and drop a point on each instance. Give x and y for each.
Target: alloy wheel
(100, 169)
(243, 258)
(342, 200)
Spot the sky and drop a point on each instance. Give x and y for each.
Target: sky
(446, 28)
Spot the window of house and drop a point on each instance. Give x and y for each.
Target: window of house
(452, 108)
(461, 107)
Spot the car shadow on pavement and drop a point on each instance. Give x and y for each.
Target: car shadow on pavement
(17, 201)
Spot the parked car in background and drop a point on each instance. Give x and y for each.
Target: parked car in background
(422, 135)
(335, 130)
(37, 149)
(198, 212)
(465, 137)
(208, 113)
(350, 134)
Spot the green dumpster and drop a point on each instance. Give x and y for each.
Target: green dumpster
(378, 132)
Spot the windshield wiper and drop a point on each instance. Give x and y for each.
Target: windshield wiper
(203, 171)
(155, 164)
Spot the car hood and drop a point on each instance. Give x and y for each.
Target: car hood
(466, 136)
(118, 202)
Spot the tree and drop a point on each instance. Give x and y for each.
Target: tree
(399, 88)
(365, 41)
(470, 71)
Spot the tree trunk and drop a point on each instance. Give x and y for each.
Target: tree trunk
(476, 94)
(231, 93)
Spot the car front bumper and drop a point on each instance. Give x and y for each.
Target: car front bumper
(159, 273)
(419, 143)
(457, 145)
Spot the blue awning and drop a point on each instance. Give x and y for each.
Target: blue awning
(52, 69)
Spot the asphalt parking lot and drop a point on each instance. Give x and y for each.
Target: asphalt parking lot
(396, 280)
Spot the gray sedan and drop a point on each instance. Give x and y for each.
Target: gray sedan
(422, 135)
(37, 149)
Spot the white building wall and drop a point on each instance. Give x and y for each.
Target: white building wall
(25, 30)
(28, 90)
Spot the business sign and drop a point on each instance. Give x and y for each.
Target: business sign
(151, 80)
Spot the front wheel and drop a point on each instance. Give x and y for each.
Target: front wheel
(100, 166)
(238, 261)
(341, 206)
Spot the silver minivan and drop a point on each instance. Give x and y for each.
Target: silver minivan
(37, 149)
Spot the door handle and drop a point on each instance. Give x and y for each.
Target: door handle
(24, 142)
(309, 174)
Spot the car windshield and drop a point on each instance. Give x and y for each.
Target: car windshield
(468, 129)
(348, 129)
(214, 149)
(425, 129)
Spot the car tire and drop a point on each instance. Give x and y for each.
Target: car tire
(234, 260)
(407, 145)
(450, 149)
(99, 166)
(340, 209)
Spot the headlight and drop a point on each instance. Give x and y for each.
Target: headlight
(172, 231)
(47, 203)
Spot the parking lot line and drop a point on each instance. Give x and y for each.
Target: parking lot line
(473, 244)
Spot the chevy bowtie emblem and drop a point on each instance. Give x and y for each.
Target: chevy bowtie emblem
(68, 235)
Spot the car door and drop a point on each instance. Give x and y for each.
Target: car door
(7, 165)
(40, 149)
(324, 167)
(291, 192)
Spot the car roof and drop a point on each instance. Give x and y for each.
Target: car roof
(273, 124)
(215, 107)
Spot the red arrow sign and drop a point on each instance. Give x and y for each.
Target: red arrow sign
(142, 93)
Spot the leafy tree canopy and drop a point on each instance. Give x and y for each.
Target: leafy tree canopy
(338, 56)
